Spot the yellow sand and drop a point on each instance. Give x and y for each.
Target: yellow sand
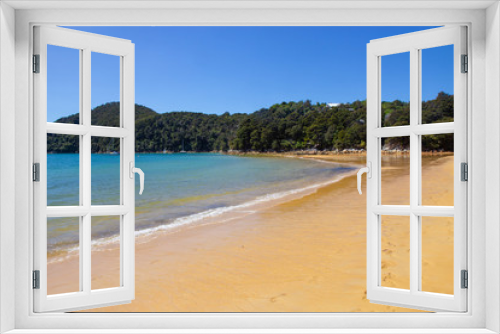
(304, 255)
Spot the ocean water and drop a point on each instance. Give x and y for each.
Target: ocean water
(180, 189)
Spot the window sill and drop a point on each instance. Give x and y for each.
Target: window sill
(247, 331)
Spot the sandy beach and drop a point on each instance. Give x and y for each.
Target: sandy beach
(304, 255)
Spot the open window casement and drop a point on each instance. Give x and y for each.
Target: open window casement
(414, 295)
(84, 296)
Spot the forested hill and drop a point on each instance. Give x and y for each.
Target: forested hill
(282, 127)
(109, 115)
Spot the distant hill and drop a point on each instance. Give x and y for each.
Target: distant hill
(105, 115)
(108, 115)
(281, 127)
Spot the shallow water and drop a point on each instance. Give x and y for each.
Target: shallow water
(180, 189)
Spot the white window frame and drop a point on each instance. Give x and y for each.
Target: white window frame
(483, 121)
(86, 44)
(414, 43)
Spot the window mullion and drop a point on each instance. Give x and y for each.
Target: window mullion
(393, 131)
(85, 245)
(85, 154)
(414, 171)
(420, 129)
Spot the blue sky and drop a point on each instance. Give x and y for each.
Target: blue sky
(243, 69)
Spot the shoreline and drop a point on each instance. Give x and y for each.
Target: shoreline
(331, 153)
(297, 256)
(212, 216)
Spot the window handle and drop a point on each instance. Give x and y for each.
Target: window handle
(139, 171)
(368, 171)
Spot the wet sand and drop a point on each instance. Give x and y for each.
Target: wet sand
(304, 255)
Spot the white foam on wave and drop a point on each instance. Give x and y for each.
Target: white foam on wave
(75, 250)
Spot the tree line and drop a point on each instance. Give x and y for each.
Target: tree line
(282, 127)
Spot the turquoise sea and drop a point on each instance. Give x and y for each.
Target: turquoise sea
(180, 189)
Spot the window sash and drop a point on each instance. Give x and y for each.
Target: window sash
(413, 43)
(87, 43)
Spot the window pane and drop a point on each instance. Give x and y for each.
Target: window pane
(105, 171)
(395, 89)
(437, 170)
(63, 85)
(105, 252)
(105, 89)
(395, 257)
(63, 255)
(63, 170)
(395, 168)
(437, 84)
(437, 254)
